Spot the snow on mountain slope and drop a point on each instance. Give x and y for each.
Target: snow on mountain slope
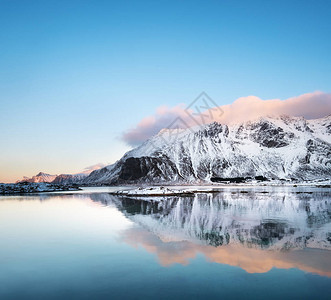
(40, 177)
(63, 179)
(69, 178)
(274, 147)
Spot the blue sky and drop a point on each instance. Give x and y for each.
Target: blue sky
(75, 74)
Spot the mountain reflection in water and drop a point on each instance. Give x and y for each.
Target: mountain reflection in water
(255, 231)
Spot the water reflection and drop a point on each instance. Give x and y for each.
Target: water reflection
(253, 230)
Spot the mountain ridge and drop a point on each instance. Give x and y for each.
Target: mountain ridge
(280, 147)
(267, 148)
(64, 179)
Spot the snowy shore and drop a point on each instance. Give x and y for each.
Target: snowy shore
(191, 190)
(153, 191)
(25, 187)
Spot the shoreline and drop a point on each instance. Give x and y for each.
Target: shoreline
(34, 188)
(172, 189)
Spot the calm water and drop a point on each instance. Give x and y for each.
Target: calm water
(258, 243)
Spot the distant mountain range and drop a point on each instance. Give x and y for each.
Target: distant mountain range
(58, 179)
(269, 148)
(66, 179)
(40, 177)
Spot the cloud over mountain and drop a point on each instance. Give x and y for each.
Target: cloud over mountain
(311, 106)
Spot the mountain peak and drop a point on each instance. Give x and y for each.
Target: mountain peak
(42, 174)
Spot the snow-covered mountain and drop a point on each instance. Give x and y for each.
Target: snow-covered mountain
(69, 178)
(40, 177)
(76, 178)
(63, 179)
(284, 147)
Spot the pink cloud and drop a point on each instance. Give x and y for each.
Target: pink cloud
(311, 106)
(151, 125)
(92, 168)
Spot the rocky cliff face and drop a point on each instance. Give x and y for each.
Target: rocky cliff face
(274, 148)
